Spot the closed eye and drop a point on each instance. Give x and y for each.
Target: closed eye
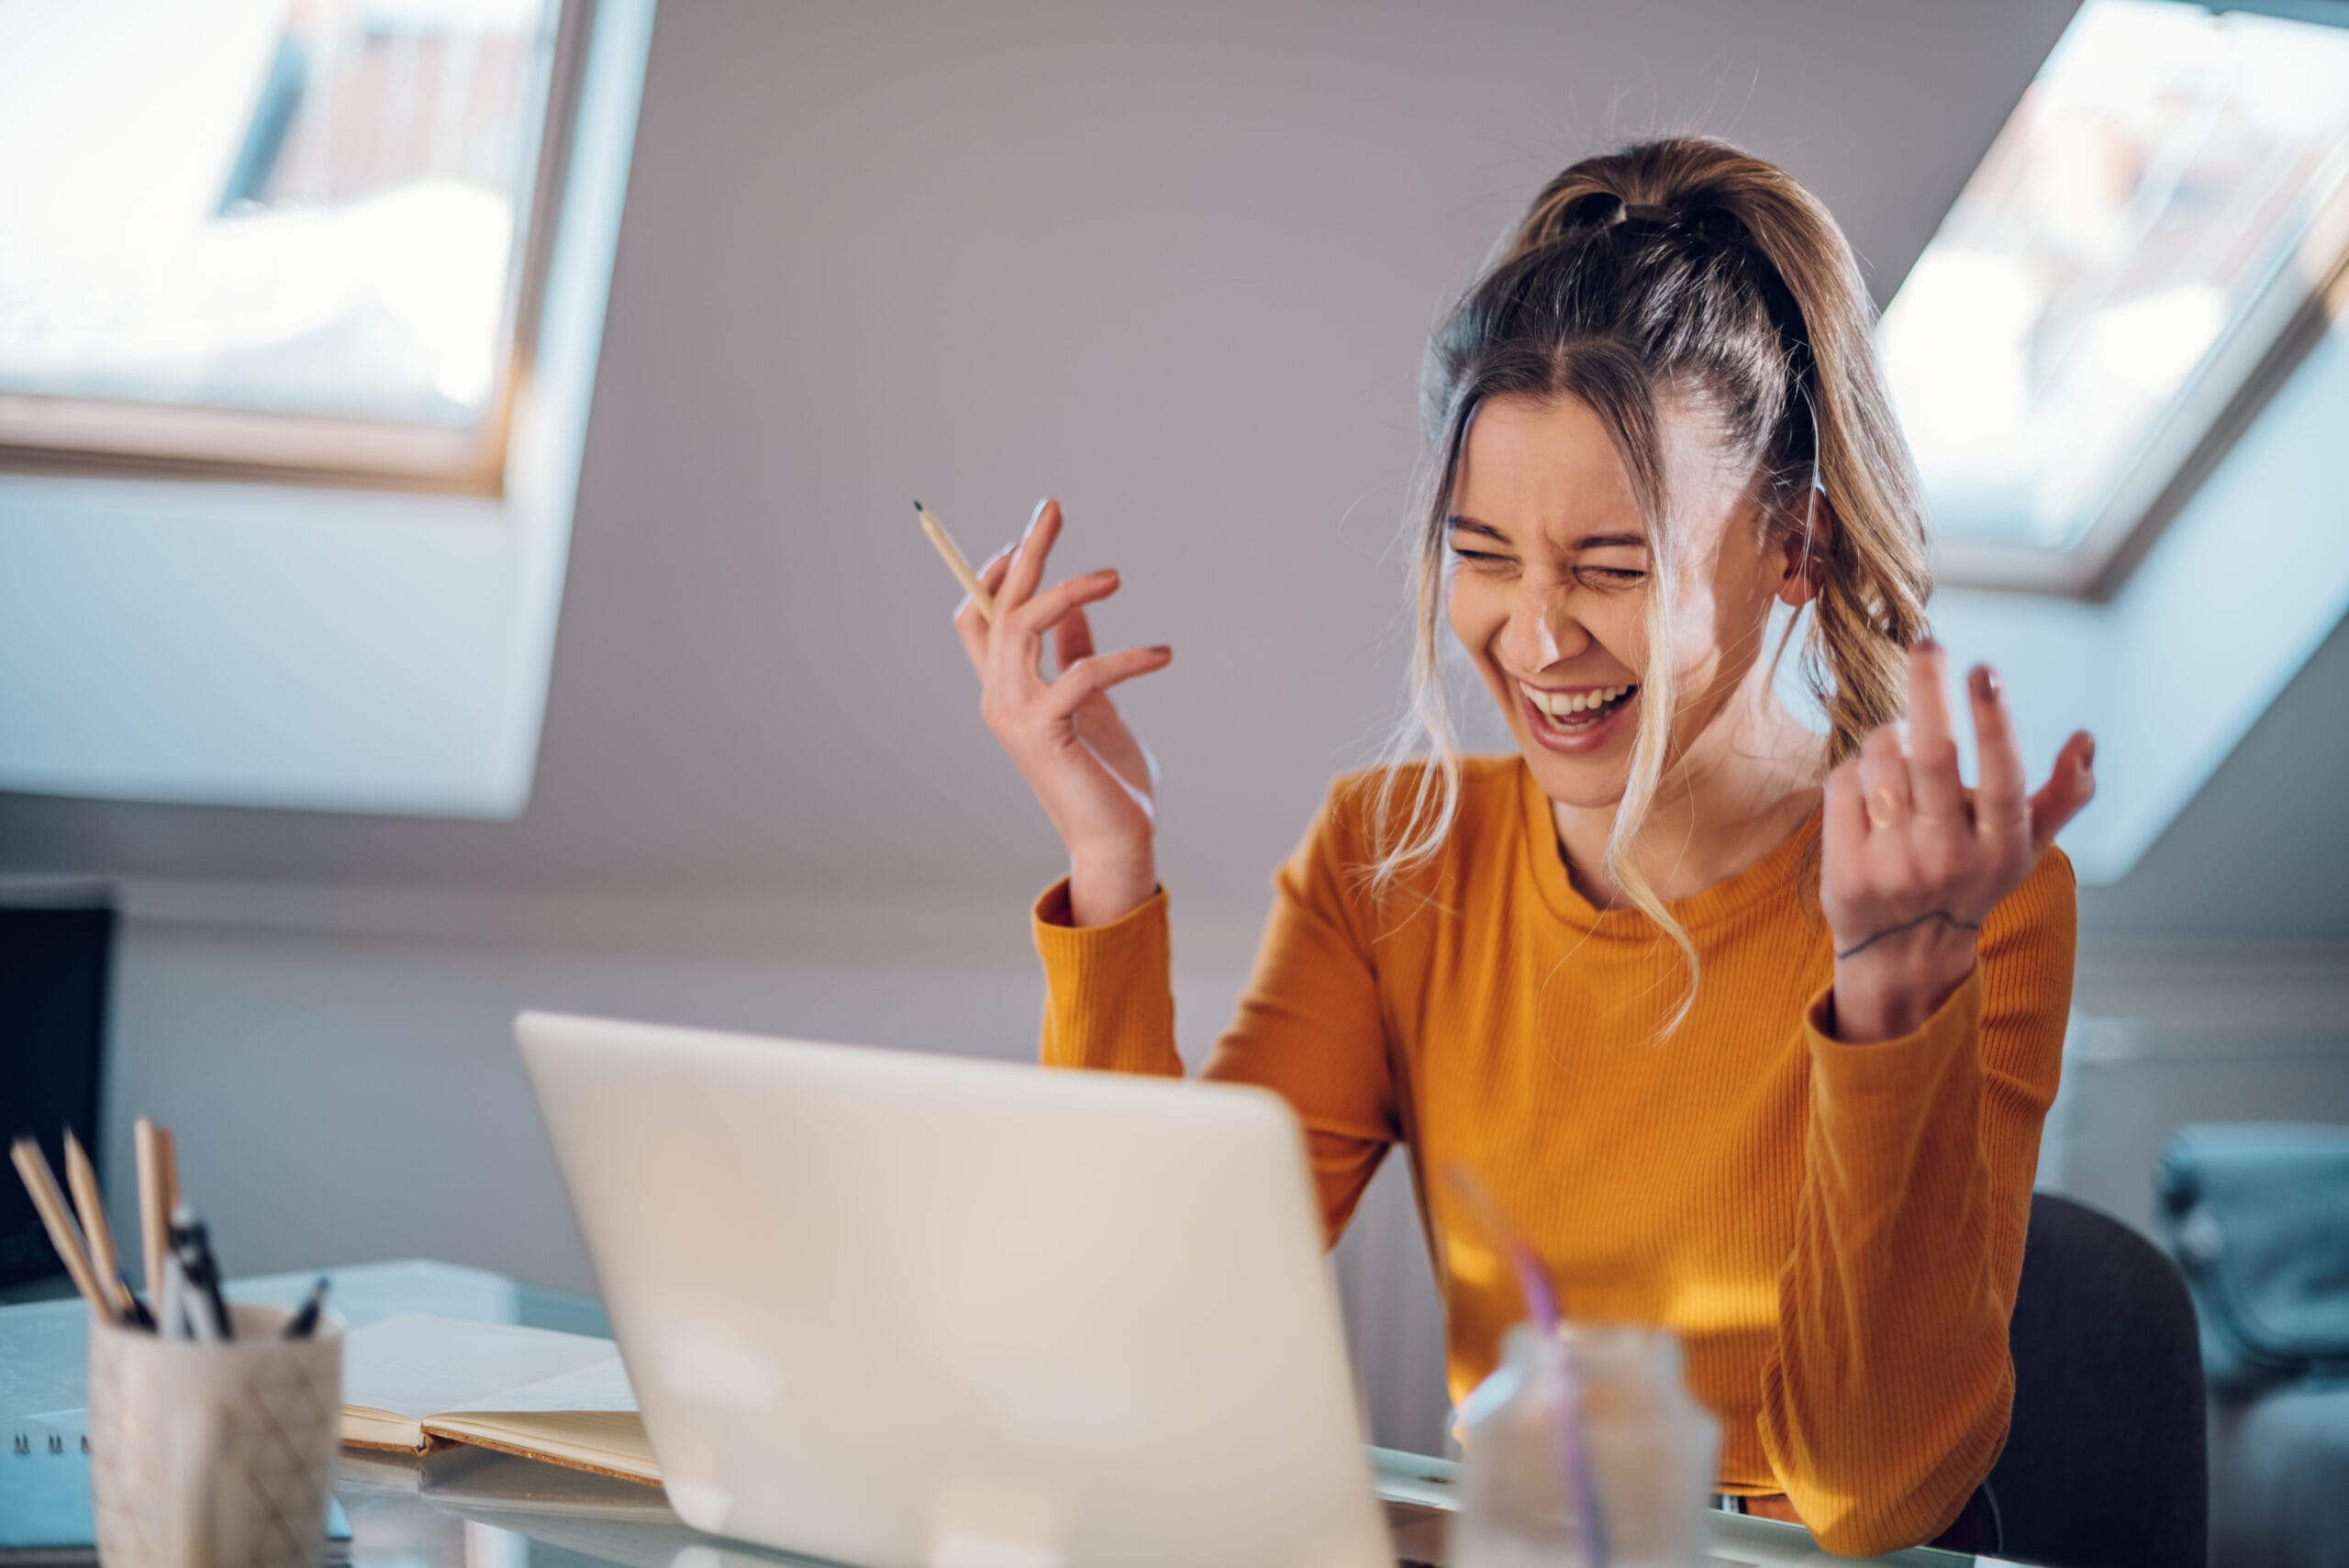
(1597, 577)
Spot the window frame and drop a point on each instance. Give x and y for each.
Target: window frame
(2290, 313)
(2288, 316)
(41, 433)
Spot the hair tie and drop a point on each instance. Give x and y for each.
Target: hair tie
(1653, 212)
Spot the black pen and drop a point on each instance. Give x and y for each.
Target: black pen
(307, 1318)
(194, 1249)
(137, 1317)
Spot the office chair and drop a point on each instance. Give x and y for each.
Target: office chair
(2105, 1462)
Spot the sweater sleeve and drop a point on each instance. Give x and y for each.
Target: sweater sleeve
(1309, 1025)
(1886, 1397)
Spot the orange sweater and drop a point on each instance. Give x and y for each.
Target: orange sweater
(1834, 1232)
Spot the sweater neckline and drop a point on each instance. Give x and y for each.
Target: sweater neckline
(1547, 862)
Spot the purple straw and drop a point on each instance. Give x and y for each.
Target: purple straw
(1541, 1305)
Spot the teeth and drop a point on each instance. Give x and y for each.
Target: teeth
(1559, 704)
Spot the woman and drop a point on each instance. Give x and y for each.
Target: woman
(1750, 1029)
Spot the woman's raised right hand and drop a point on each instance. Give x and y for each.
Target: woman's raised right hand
(1094, 778)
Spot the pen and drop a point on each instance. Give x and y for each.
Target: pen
(955, 563)
(195, 1308)
(171, 1302)
(193, 1249)
(307, 1318)
(136, 1316)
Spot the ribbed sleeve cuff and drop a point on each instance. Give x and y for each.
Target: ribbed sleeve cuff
(1869, 1068)
(1108, 999)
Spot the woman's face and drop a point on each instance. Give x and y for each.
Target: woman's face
(1549, 574)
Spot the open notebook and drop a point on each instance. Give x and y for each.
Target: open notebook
(410, 1382)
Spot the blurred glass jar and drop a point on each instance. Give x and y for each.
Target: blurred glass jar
(1651, 1452)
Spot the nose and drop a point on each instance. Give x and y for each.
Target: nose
(1541, 630)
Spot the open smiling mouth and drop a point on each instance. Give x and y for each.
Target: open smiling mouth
(1558, 716)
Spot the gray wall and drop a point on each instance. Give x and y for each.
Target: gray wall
(1174, 264)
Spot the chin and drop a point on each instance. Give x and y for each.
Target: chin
(1594, 776)
(1584, 783)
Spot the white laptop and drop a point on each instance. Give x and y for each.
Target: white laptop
(913, 1311)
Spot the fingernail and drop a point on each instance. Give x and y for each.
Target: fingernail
(1986, 684)
(1037, 516)
(1927, 645)
(1162, 648)
(2088, 755)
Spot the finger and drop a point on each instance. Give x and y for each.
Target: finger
(1080, 682)
(1017, 655)
(1998, 807)
(1047, 609)
(1884, 781)
(969, 624)
(2064, 795)
(1846, 827)
(1072, 639)
(1934, 784)
(1028, 560)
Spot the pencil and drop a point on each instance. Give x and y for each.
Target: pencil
(91, 1205)
(955, 563)
(41, 1183)
(158, 1191)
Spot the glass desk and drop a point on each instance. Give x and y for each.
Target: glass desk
(466, 1508)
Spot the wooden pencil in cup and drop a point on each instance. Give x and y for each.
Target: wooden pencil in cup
(55, 1217)
(88, 1201)
(955, 563)
(159, 1193)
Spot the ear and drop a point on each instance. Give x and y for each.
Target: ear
(1801, 556)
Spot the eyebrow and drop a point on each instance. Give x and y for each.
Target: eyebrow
(1588, 541)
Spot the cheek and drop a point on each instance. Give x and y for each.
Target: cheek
(1619, 624)
(1474, 610)
(1704, 626)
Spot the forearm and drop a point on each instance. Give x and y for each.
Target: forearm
(1888, 1393)
(1935, 1056)
(1108, 987)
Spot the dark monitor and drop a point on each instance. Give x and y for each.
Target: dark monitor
(52, 1022)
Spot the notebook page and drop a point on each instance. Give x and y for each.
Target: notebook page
(416, 1366)
(600, 1385)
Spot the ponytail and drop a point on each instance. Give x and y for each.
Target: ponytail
(1680, 263)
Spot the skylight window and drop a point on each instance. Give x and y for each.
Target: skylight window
(269, 232)
(2148, 244)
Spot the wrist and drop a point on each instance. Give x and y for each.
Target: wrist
(1882, 1001)
(1103, 889)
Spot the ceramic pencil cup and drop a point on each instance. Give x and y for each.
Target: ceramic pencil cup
(209, 1454)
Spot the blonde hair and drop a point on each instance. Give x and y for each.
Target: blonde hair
(1678, 265)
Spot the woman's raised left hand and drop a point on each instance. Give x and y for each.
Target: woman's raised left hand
(1913, 860)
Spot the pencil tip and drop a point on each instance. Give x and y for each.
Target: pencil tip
(916, 506)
